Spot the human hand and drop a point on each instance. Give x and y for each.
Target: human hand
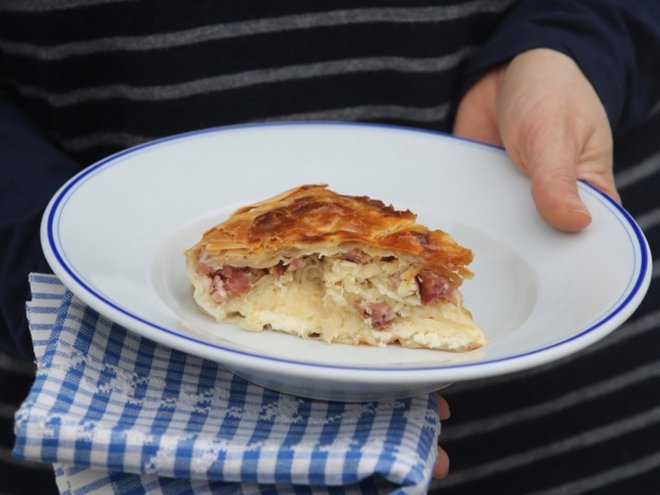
(442, 465)
(542, 109)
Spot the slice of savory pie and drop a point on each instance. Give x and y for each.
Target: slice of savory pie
(346, 269)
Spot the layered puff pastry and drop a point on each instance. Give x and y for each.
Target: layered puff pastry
(343, 269)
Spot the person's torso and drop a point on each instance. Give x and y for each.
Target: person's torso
(104, 75)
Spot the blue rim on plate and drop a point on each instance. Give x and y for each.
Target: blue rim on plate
(55, 208)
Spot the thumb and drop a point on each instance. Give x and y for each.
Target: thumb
(556, 130)
(551, 162)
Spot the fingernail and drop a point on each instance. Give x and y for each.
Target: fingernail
(445, 414)
(444, 411)
(575, 204)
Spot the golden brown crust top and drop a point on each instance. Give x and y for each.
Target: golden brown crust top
(312, 215)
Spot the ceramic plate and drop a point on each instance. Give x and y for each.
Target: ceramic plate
(115, 234)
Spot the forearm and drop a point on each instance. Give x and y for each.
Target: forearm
(31, 170)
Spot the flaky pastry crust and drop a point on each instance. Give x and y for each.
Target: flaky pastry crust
(313, 218)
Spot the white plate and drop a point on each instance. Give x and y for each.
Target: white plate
(115, 234)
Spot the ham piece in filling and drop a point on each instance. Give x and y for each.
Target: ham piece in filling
(380, 313)
(433, 286)
(354, 255)
(229, 281)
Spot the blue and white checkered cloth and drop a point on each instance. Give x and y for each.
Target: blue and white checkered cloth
(117, 413)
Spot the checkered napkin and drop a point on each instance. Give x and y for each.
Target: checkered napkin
(117, 413)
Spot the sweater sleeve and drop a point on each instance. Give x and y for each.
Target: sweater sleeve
(31, 171)
(614, 42)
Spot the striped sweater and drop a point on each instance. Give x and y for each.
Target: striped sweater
(80, 79)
